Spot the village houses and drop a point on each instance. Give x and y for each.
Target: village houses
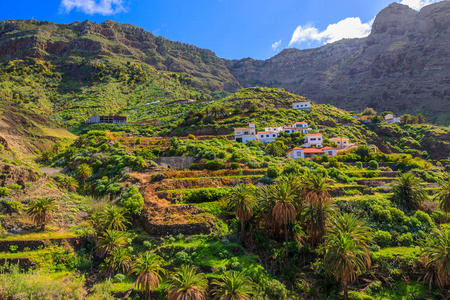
(302, 105)
(390, 118)
(107, 119)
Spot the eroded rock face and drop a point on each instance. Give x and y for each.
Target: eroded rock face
(402, 66)
(50, 41)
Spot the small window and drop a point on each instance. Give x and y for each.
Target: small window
(273, 135)
(262, 136)
(267, 135)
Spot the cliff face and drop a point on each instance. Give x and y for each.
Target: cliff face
(402, 66)
(66, 45)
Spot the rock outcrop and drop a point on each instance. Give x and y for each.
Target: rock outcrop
(402, 66)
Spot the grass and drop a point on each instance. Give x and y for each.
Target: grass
(391, 252)
(38, 236)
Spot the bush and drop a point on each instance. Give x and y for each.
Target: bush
(157, 177)
(16, 186)
(273, 172)
(275, 290)
(182, 258)
(382, 238)
(204, 194)
(439, 217)
(4, 191)
(424, 218)
(235, 166)
(134, 202)
(191, 137)
(215, 165)
(372, 174)
(119, 278)
(406, 239)
(373, 164)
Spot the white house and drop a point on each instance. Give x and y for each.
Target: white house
(313, 140)
(275, 129)
(296, 127)
(390, 118)
(300, 152)
(301, 105)
(267, 136)
(243, 135)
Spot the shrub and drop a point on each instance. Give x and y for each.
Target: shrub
(4, 191)
(16, 162)
(372, 174)
(382, 238)
(157, 177)
(215, 165)
(275, 290)
(235, 166)
(373, 164)
(205, 194)
(406, 239)
(439, 217)
(352, 192)
(182, 258)
(134, 202)
(191, 137)
(273, 172)
(16, 186)
(424, 218)
(119, 278)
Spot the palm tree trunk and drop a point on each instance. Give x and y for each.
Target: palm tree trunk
(129, 291)
(242, 229)
(345, 290)
(322, 222)
(43, 226)
(286, 238)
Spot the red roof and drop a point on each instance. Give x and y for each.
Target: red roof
(300, 123)
(329, 148)
(313, 134)
(266, 131)
(312, 150)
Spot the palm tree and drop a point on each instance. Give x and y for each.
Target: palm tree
(353, 226)
(41, 211)
(113, 217)
(84, 171)
(436, 254)
(187, 284)
(233, 286)
(148, 268)
(110, 240)
(345, 258)
(420, 118)
(280, 201)
(443, 196)
(119, 259)
(315, 191)
(408, 192)
(242, 202)
(69, 183)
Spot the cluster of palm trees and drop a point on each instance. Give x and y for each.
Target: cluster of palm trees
(281, 204)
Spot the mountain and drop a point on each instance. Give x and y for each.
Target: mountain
(402, 66)
(69, 45)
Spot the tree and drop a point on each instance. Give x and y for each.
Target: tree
(148, 268)
(233, 286)
(113, 217)
(84, 171)
(69, 183)
(119, 259)
(276, 148)
(242, 201)
(41, 211)
(420, 118)
(315, 191)
(350, 224)
(369, 111)
(186, 284)
(443, 196)
(436, 255)
(280, 201)
(344, 258)
(109, 240)
(408, 192)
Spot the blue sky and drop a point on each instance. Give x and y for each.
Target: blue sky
(233, 29)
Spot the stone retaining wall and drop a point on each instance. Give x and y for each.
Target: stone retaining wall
(24, 262)
(174, 229)
(176, 163)
(391, 165)
(76, 243)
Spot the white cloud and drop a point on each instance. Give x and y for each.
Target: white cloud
(418, 4)
(92, 7)
(347, 28)
(276, 45)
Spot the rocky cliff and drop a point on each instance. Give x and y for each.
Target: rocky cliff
(67, 45)
(402, 66)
